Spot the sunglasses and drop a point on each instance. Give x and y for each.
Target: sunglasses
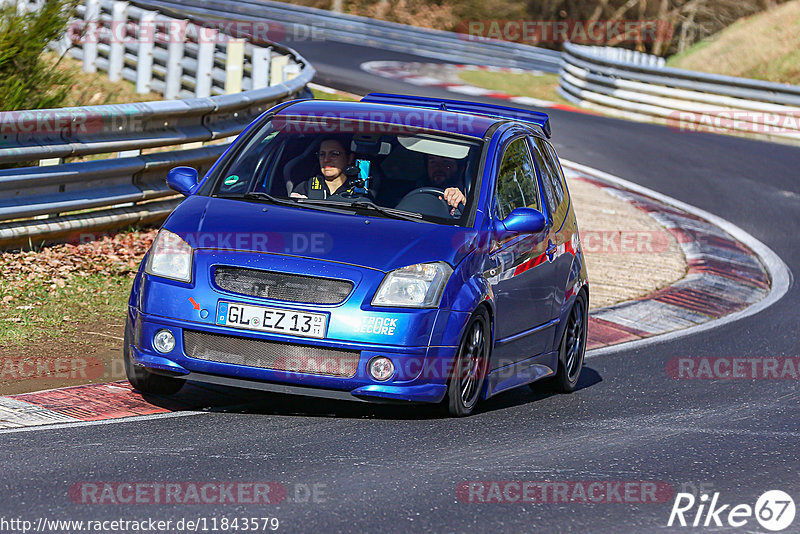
(332, 153)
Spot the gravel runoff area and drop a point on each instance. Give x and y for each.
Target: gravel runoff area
(629, 255)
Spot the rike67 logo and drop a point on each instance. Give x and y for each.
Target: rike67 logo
(774, 511)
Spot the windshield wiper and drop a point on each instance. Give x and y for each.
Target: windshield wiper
(260, 195)
(389, 212)
(364, 204)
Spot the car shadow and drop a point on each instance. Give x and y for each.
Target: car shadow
(540, 391)
(276, 404)
(223, 399)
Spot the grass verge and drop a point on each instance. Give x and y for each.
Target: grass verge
(327, 95)
(765, 47)
(95, 89)
(57, 289)
(542, 87)
(40, 309)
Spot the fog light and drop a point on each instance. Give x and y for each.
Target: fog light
(164, 341)
(381, 368)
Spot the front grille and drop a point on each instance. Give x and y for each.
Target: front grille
(282, 286)
(270, 355)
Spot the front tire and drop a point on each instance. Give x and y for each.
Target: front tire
(142, 379)
(470, 365)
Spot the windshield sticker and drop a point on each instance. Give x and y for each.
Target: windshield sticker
(232, 179)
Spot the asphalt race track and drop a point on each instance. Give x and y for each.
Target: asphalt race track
(397, 469)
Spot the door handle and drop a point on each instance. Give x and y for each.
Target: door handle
(551, 250)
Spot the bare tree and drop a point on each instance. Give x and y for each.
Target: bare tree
(678, 23)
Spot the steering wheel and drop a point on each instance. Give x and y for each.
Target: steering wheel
(422, 195)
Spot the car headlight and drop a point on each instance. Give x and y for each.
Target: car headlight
(170, 257)
(415, 286)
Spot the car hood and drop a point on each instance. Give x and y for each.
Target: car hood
(372, 242)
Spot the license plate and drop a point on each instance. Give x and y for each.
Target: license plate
(278, 320)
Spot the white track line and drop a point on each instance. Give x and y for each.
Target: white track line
(779, 273)
(131, 419)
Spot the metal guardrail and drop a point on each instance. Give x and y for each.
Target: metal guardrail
(36, 202)
(310, 23)
(622, 82)
(641, 88)
(180, 60)
(55, 201)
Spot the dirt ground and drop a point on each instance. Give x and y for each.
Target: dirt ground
(628, 255)
(55, 362)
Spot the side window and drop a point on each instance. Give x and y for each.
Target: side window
(516, 181)
(248, 162)
(551, 173)
(560, 183)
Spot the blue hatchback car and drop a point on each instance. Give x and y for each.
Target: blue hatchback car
(396, 249)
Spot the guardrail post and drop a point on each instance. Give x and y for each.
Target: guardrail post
(116, 55)
(260, 67)
(177, 37)
(276, 74)
(144, 65)
(207, 41)
(234, 65)
(291, 71)
(91, 17)
(62, 44)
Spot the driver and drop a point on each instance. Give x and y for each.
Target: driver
(334, 156)
(443, 173)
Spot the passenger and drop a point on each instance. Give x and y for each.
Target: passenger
(444, 173)
(334, 156)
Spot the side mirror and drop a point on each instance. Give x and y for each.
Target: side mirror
(182, 179)
(521, 221)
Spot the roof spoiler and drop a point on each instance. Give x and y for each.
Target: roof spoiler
(534, 117)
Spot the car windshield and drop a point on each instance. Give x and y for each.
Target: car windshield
(374, 169)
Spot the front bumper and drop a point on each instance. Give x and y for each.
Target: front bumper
(421, 372)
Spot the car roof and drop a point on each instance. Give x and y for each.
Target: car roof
(531, 118)
(447, 116)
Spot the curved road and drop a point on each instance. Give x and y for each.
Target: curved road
(397, 469)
